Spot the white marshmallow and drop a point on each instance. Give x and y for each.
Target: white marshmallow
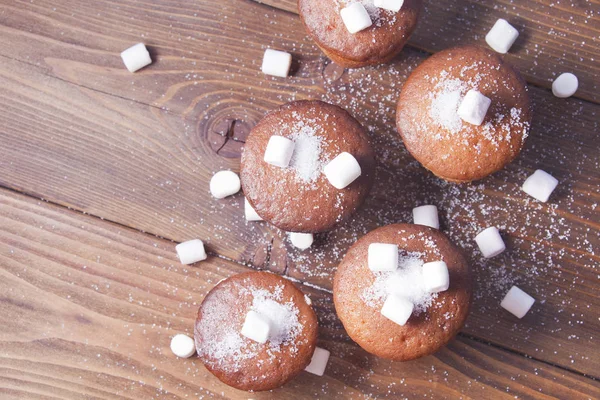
(474, 107)
(276, 63)
(565, 85)
(301, 240)
(250, 212)
(490, 242)
(391, 5)
(426, 215)
(502, 36)
(517, 302)
(136, 57)
(342, 170)
(383, 257)
(397, 309)
(436, 277)
(256, 327)
(540, 185)
(191, 251)
(318, 362)
(279, 151)
(224, 183)
(183, 346)
(355, 17)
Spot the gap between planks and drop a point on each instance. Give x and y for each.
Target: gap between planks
(269, 249)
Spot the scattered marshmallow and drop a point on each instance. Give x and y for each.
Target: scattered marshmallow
(279, 151)
(391, 5)
(318, 362)
(565, 85)
(517, 302)
(301, 240)
(355, 17)
(136, 57)
(250, 212)
(224, 183)
(342, 170)
(426, 215)
(383, 257)
(256, 327)
(502, 36)
(191, 251)
(540, 185)
(276, 63)
(397, 309)
(490, 242)
(436, 277)
(183, 346)
(474, 107)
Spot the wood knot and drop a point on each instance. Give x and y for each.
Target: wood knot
(227, 137)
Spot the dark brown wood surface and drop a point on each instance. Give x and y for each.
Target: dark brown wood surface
(89, 307)
(139, 149)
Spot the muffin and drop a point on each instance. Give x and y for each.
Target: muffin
(299, 197)
(377, 44)
(360, 293)
(433, 132)
(242, 362)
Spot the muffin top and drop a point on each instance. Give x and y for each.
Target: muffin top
(438, 138)
(388, 34)
(239, 361)
(359, 293)
(299, 198)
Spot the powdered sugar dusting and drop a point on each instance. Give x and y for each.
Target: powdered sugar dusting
(445, 102)
(406, 281)
(306, 160)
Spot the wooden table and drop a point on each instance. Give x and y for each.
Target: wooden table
(101, 171)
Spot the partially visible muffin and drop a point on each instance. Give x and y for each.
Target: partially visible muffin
(241, 362)
(434, 133)
(359, 293)
(377, 44)
(299, 197)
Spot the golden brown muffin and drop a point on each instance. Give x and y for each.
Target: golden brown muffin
(359, 294)
(439, 139)
(241, 362)
(376, 44)
(299, 198)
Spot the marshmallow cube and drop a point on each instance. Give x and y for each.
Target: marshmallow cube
(279, 151)
(397, 309)
(136, 57)
(540, 185)
(426, 215)
(342, 170)
(183, 346)
(256, 327)
(250, 213)
(502, 36)
(355, 17)
(474, 107)
(565, 85)
(383, 257)
(191, 251)
(517, 302)
(391, 5)
(301, 240)
(276, 63)
(318, 362)
(436, 277)
(490, 242)
(224, 183)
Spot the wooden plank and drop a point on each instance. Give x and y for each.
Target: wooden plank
(149, 168)
(555, 37)
(88, 309)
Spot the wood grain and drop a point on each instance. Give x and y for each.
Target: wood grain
(554, 37)
(88, 309)
(139, 149)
